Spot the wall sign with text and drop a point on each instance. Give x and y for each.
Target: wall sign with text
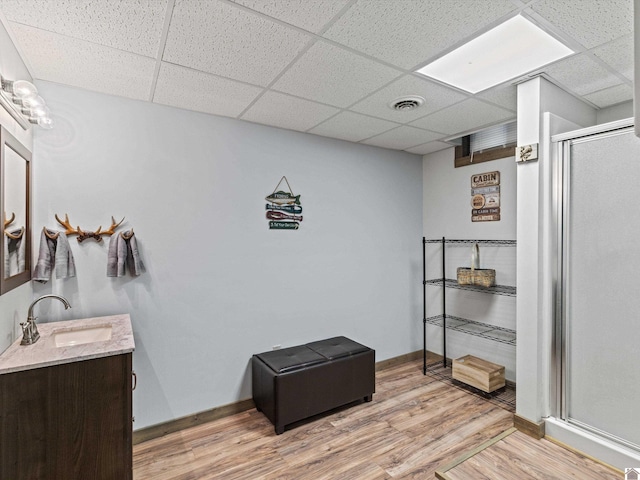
(283, 209)
(485, 197)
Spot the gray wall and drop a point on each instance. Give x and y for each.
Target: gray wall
(221, 286)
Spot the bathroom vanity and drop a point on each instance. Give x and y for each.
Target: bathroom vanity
(66, 402)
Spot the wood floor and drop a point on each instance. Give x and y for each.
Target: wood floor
(510, 459)
(414, 425)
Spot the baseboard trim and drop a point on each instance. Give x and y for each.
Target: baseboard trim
(165, 428)
(162, 429)
(392, 362)
(581, 453)
(533, 429)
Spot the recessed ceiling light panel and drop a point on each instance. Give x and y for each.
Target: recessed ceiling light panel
(505, 52)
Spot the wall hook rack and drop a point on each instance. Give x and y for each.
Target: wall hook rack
(82, 234)
(17, 233)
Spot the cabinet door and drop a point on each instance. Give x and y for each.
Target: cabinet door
(69, 421)
(23, 423)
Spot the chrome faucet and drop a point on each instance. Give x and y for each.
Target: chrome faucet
(30, 333)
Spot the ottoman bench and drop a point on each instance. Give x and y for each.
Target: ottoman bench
(296, 383)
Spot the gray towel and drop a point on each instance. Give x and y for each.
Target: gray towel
(123, 252)
(65, 266)
(136, 267)
(14, 253)
(112, 256)
(122, 255)
(54, 252)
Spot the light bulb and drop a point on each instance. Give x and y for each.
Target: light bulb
(40, 111)
(24, 89)
(44, 122)
(20, 88)
(33, 102)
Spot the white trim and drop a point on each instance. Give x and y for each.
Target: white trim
(584, 132)
(608, 452)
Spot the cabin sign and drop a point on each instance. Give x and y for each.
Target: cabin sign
(485, 197)
(485, 179)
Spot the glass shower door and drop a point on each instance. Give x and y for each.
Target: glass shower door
(600, 288)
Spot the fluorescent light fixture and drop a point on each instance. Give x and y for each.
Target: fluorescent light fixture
(505, 52)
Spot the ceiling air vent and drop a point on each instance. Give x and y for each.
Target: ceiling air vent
(404, 104)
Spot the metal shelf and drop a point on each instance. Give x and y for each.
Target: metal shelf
(498, 334)
(506, 290)
(478, 329)
(495, 243)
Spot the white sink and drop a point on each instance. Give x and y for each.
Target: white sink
(80, 336)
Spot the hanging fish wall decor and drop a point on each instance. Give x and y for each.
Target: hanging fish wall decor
(271, 215)
(284, 208)
(283, 198)
(284, 225)
(282, 201)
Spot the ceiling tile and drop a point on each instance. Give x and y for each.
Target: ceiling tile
(611, 96)
(133, 25)
(402, 137)
(429, 148)
(506, 97)
(194, 90)
(311, 16)
(436, 97)
(352, 126)
(469, 115)
(618, 54)
(407, 33)
(590, 22)
(70, 61)
(280, 110)
(332, 75)
(226, 40)
(581, 74)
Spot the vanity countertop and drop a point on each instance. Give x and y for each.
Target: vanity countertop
(44, 352)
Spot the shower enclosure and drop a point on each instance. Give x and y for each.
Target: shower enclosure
(598, 283)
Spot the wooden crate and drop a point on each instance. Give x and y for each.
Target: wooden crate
(478, 373)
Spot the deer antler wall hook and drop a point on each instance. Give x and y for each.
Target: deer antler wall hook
(9, 221)
(83, 235)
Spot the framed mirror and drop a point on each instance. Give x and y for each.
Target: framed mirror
(15, 256)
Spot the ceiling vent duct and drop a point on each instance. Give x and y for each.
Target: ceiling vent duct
(404, 104)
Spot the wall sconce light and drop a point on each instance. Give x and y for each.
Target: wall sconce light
(20, 98)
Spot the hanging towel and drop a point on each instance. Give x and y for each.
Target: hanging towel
(112, 257)
(14, 253)
(116, 256)
(123, 252)
(54, 252)
(136, 267)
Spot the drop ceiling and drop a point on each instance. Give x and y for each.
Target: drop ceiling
(326, 67)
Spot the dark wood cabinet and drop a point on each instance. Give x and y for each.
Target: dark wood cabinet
(67, 422)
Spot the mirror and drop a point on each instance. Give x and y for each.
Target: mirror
(15, 161)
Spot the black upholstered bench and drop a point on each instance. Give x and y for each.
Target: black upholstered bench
(299, 382)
